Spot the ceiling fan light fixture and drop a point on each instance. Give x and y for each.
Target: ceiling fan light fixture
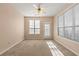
(39, 9)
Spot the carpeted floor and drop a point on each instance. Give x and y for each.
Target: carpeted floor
(35, 48)
(29, 48)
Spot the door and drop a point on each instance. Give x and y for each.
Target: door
(47, 30)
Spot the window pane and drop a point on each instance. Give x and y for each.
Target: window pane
(47, 29)
(37, 31)
(31, 23)
(37, 23)
(76, 9)
(60, 21)
(57, 24)
(47, 26)
(68, 18)
(31, 31)
(69, 33)
(61, 32)
(58, 30)
(77, 33)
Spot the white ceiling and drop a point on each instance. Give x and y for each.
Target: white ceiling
(51, 9)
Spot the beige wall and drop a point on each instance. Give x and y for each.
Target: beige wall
(11, 27)
(42, 21)
(69, 44)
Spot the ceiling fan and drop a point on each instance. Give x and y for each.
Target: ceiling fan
(39, 9)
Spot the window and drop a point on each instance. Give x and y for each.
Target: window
(77, 34)
(60, 25)
(68, 18)
(61, 32)
(76, 12)
(68, 33)
(34, 26)
(60, 21)
(68, 24)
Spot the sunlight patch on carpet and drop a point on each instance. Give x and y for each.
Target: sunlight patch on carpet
(54, 50)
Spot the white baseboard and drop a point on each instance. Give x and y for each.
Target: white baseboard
(10, 47)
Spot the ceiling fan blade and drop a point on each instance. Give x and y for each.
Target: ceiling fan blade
(35, 6)
(43, 9)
